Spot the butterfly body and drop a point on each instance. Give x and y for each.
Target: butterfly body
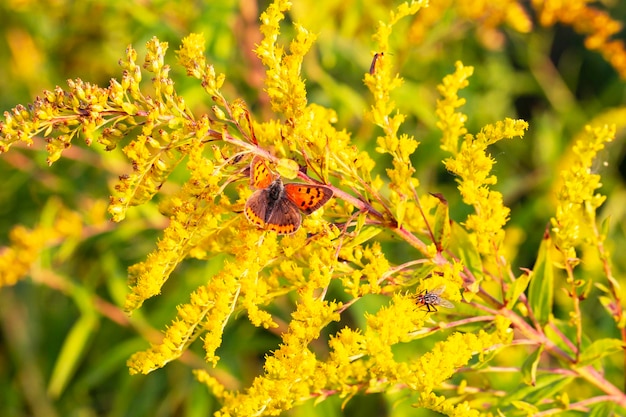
(276, 206)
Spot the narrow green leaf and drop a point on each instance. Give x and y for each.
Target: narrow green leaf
(541, 292)
(516, 289)
(587, 287)
(461, 244)
(529, 368)
(546, 386)
(599, 349)
(602, 410)
(400, 211)
(365, 234)
(605, 227)
(441, 228)
(420, 274)
(74, 346)
(524, 406)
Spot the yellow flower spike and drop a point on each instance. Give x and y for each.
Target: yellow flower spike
(284, 84)
(280, 388)
(381, 83)
(472, 164)
(195, 215)
(16, 260)
(58, 226)
(433, 368)
(394, 323)
(577, 200)
(191, 55)
(451, 122)
(209, 309)
(217, 388)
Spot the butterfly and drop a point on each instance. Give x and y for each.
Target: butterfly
(431, 299)
(276, 206)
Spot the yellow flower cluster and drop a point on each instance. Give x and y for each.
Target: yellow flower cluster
(285, 87)
(434, 367)
(575, 215)
(357, 361)
(491, 15)
(205, 217)
(26, 244)
(292, 372)
(596, 24)
(402, 183)
(16, 260)
(58, 115)
(263, 268)
(472, 164)
(207, 312)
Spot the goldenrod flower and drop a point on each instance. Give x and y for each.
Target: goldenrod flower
(472, 164)
(577, 199)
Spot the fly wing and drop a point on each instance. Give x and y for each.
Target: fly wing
(445, 303)
(439, 290)
(441, 301)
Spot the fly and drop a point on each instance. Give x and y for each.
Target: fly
(432, 299)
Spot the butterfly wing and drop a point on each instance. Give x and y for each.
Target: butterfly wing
(256, 207)
(308, 197)
(260, 174)
(284, 218)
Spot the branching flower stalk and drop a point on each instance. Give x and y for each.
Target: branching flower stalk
(338, 246)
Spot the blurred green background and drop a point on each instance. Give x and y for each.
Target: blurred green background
(63, 338)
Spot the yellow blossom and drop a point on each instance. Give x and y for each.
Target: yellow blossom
(577, 201)
(472, 164)
(596, 24)
(26, 244)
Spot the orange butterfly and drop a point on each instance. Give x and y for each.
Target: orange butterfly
(276, 206)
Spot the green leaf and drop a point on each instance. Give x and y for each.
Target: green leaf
(599, 349)
(420, 274)
(400, 211)
(541, 292)
(605, 227)
(587, 286)
(546, 386)
(463, 246)
(516, 289)
(529, 368)
(365, 234)
(441, 228)
(524, 406)
(75, 345)
(602, 410)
